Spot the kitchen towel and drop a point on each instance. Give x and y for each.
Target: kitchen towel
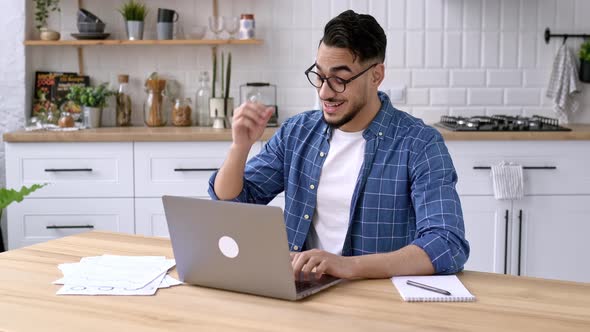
(508, 181)
(564, 85)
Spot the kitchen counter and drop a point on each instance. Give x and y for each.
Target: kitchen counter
(179, 134)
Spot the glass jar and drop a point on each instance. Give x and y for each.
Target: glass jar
(181, 113)
(66, 120)
(247, 26)
(156, 106)
(124, 107)
(202, 117)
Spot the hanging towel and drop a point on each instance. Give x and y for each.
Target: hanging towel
(508, 181)
(564, 84)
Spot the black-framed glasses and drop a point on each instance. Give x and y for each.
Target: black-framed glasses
(335, 83)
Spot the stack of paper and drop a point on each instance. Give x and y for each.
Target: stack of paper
(116, 275)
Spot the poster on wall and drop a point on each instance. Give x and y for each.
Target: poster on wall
(51, 88)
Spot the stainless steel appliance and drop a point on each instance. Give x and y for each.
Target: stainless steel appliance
(500, 123)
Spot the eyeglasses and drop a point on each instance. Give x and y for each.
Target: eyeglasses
(335, 83)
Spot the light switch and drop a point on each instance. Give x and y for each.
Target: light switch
(397, 94)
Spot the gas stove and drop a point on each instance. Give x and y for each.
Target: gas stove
(500, 123)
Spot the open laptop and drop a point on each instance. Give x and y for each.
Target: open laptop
(235, 246)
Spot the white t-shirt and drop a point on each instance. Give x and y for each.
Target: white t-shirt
(337, 182)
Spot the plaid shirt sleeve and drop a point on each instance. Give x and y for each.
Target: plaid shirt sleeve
(440, 230)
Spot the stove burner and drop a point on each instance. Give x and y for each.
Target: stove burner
(500, 123)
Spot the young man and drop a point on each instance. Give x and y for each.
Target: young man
(369, 190)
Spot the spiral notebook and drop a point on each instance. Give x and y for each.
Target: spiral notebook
(450, 283)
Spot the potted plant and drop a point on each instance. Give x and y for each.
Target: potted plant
(221, 107)
(92, 100)
(42, 10)
(7, 196)
(134, 14)
(585, 62)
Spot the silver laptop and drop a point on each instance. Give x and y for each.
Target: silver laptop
(235, 246)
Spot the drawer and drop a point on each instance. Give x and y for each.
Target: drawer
(178, 168)
(551, 167)
(72, 169)
(38, 220)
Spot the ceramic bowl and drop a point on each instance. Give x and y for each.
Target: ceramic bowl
(91, 27)
(197, 32)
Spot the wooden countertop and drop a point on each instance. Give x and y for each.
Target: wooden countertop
(179, 134)
(504, 303)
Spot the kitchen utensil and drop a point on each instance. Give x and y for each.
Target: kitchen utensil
(167, 15)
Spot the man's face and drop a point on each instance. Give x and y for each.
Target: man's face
(343, 109)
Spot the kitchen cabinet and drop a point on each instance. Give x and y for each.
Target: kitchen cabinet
(540, 235)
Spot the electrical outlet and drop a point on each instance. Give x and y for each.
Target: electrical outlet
(397, 94)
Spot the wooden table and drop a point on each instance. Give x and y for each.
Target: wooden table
(28, 301)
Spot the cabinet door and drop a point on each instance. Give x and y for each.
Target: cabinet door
(554, 237)
(486, 221)
(38, 220)
(150, 219)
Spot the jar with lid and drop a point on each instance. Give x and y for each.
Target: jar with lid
(124, 107)
(156, 106)
(66, 120)
(181, 112)
(247, 26)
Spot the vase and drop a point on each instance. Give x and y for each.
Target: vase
(134, 30)
(91, 117)
(221, 112)
(48, 34)
(585, 71)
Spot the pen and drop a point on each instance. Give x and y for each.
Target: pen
(430, 288)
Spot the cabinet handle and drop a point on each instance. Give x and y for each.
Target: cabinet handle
(195, 169)
(523, 167)
(519, 238)
(68, 170)
(69, 226)
(506, 243)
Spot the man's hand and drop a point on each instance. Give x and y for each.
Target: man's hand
(248, 124)
(323, 262)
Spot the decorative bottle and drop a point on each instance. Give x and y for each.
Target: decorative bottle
(202, 101)
(123, 102)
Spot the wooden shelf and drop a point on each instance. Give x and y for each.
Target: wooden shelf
(112, 42)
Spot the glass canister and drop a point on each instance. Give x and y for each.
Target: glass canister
(203, 95)
(123, 102)
(181, 113)
(247, 26)
(156, 106)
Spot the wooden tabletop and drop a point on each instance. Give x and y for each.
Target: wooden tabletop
(179, 134)
(28, 301)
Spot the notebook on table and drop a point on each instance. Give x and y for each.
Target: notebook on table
(449, 283)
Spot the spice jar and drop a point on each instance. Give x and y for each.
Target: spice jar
(123, 102)
(156, 105)
(247, 26)
(66, 120)
(181, 113)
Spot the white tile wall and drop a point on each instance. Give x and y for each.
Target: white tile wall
(453, 56)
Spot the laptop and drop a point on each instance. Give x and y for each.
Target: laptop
(235, 246)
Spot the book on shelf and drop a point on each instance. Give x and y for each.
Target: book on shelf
(51, 88)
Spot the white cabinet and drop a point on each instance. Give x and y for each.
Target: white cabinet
(150, 218)
(38, 220)
(540, 235)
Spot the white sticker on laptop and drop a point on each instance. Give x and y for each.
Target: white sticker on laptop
(228, 247)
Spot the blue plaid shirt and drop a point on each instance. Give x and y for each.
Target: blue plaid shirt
(405, 192)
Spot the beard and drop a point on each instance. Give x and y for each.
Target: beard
(355, 109)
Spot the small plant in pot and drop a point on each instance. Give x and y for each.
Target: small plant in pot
(92, 100)
(43, 8)
(221, 108)
(585, 62)
(134, 14)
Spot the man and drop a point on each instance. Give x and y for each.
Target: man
(369, 190)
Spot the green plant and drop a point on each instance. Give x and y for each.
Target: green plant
(585, 51)
(134, 11)
(8, 196)
(90, 96)
(42, 10)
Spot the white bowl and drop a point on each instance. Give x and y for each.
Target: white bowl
(197, 32)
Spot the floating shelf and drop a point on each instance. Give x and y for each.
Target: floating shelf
(112, 42)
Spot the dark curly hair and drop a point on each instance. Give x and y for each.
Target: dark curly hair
(360, 33)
